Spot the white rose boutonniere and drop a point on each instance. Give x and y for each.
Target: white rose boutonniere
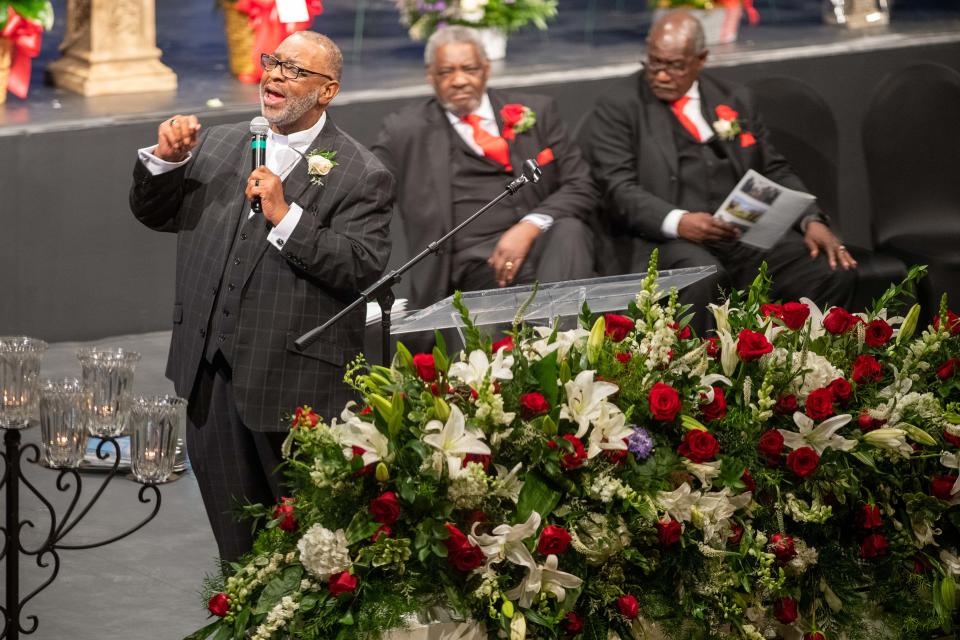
(319, 164)
(727, 126)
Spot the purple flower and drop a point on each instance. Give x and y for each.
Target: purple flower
(640, 443)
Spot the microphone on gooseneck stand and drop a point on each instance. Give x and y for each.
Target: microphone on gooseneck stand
(258, 146)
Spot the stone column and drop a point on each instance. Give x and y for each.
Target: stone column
(110, 47)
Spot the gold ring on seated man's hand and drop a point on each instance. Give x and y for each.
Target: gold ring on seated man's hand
(508, 264)
(841, 248)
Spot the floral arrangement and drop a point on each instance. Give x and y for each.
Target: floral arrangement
(423, 17)
(22, 23)
(794, 475)
(40, 11)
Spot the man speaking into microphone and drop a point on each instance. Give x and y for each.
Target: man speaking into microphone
(262, 257)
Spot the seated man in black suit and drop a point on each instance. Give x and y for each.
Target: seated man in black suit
(663, 169)
(456, 151)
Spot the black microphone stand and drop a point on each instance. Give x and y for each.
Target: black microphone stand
(382, 289)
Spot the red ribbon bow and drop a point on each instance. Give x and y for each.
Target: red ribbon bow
(268, 31)
(25, 35)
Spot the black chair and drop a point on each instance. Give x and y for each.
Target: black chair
(802, 127)
(911, 141)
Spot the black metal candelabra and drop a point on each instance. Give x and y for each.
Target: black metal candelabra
(46, 553)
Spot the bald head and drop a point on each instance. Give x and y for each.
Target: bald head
(333, 54)
(675, 55)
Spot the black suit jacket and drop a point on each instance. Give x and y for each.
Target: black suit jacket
(415, 145)
(340, 245)
(629, 144)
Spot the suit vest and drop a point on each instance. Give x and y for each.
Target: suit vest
(706, 173)
(474, 181)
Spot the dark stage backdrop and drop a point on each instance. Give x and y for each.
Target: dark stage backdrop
(75, 265)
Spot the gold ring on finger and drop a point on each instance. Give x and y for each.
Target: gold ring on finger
(508, 264)
(173, 122)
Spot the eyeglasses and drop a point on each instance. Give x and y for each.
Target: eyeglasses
(672, 67)
(288, 69)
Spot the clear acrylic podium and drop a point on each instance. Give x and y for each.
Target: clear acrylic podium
(553, 300)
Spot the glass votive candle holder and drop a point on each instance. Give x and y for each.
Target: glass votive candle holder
(63, 422)
(108, 375)
(155, 425)
(20, 359)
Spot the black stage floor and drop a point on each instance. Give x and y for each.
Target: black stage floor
(588, 39)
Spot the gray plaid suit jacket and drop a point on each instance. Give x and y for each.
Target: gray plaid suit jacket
(340, 245)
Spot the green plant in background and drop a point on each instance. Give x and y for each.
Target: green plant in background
(39, 10)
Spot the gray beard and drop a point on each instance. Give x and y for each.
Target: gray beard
(292, 110)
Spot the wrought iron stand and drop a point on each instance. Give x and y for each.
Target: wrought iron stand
(46, 553)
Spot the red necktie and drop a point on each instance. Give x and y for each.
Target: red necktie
(677, 108)
(494, 147)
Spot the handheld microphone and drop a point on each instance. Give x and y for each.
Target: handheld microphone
(258, 147)
(531, 170)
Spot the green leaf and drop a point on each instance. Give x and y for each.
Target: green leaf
(546, 372)
(471, 334)
(283, 585)
(224, 633)
(536, 495)
(241, 624)
(204, 633)
(360, 528)
(404, 357)
(866, 458)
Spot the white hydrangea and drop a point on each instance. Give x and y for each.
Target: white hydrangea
(819, 371)
(468, 489)
(324, 552)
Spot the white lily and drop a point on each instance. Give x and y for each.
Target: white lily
(708, 381)
(507, 484)
(584, 400)
(473, 372)
(951, 461)
(545, 577)
(561, 344)
(728, 352)
(951, 562)
(705, 472)
(891, 439)
(819, 437)
(609, 431)
(721, 315)
(815, 320)
(354, 432)
(506, 542)
(713, 510)
(454, 441)
(679, 502)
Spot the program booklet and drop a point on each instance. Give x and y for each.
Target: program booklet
(763, 209)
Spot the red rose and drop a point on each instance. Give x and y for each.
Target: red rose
(736, 534)
(571, 460)
(682, 334)
(786, 404)
(512, 113)
(616, 456)
(953, 323)
(474, 517)
(785, 610)
(533, 404)
(386, 508)
(617, 327)
(878, 332)
(814, 635)
(669, 531)
(628, 607)
(460, 553)
(506, 344)
(783, 547)
(803, 461)
(219, 605)
(795, 314)
(383, 532)
(716, 409)
(572, 623)
(482, 459)
(874, 545)
(305, 417)
(426, 369)
(343, 582)
(698, 446)
(748, 480)
(941, 486)
(713, 346)
(726, 113)
(624, 357)
(664, 402)
(948, 368)
(820, 404)
(866, 369)
(952, 439)
(751, 345)
(839, 321)
(868, 423)
(869, 517)
(771, 445)
(841, 390)
(284, 513)
(553, 540)
(774, 310)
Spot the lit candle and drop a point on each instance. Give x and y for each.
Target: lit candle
(150, 455)
(62, 440)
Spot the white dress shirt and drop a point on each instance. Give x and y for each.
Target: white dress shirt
(488, 122)
(695, 114)
(282, 155)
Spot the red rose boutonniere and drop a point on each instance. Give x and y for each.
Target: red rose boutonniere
(727, 127)
(517, 118)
